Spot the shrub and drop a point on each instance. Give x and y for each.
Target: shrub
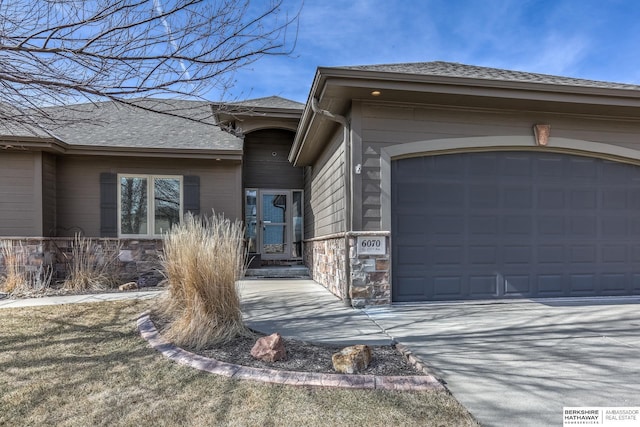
(18, 279)
(92, 266)
(203, 260)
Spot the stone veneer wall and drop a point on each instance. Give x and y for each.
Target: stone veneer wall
(368, 278)
(138, 259)
(326, 259)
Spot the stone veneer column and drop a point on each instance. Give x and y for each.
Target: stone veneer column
(370, 273)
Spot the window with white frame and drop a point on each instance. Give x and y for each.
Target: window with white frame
(148, 205)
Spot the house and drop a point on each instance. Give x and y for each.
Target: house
(393, 183)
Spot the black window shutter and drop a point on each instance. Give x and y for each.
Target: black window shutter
(108, 204)
(191, 199)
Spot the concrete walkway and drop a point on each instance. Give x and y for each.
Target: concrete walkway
(296, 308)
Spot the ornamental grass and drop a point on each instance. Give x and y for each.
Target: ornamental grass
(203, 260)
(92, 266)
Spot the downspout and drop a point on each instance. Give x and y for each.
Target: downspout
(348, 190)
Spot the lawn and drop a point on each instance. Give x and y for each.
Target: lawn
(85, 364)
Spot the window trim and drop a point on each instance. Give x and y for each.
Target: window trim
(150, 203)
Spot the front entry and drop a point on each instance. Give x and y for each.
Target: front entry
(273, 220)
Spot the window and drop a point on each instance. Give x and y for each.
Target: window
(148, 205)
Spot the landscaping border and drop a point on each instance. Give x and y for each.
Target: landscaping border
(149, 332)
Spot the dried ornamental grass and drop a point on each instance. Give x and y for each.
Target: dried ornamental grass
(92, 265)
(203, 260)
(18, 279)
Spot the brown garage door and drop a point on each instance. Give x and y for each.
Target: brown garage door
(514, 224)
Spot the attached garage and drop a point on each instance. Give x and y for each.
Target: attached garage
(514, 224)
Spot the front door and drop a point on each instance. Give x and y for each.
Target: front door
(273, 221)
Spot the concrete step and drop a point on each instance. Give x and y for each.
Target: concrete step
(278, 272)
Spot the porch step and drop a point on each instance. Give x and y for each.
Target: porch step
(278, 272)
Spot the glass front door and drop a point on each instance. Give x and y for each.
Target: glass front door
(273, 221)
(274, 224)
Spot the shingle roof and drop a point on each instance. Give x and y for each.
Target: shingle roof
(17, 124)
(451, 69)
(268, 102)
(110, 124)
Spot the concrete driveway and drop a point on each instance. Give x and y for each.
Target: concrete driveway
(519, 363)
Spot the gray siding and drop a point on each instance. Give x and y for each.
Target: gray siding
(386, 125)
(325, 192)
(263, 169)
(19, 192)
(49, 202)
(78, 186)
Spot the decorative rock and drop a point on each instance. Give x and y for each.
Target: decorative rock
(269, 349)
(352, 359)
(128, 286)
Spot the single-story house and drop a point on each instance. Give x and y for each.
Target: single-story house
(393, 183)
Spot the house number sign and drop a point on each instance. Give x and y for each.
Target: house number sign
(372, 245)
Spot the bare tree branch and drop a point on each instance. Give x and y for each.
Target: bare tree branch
(56, 52)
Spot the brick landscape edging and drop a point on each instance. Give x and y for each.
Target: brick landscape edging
(149, 332)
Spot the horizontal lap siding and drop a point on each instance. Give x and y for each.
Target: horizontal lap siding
(49, 202)
(266, 163)
(386, 125)
(78, 186)
(324, 192)
(18, 192)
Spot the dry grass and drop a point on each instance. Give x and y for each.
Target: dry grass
(17, 278)
(92, 265)
(203, 260)
(84, 364)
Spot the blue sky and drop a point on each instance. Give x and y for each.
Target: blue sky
(589, 39)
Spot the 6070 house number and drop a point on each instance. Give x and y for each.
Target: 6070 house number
(368, 245)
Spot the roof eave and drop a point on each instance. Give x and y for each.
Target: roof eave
(367, 79)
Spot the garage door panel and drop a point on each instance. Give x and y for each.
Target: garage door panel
(582, 284)
(614, 199)
(449, 225)
(551, 225)
(483, 255)
(517, 225)
(616, 226)
(447, 287)
(615, 284)
(484, 196)
(516, 165)
(615, 254)
(517, 197)
(549, 167)
(482, 287)
(410, 289)
(517, 285)
(550, 285)
(581, 254)
(508, 225)
(583, 226)
(551, 198)
(516, 255)
(483, 225)
(583, 199)
(581, 168)
(447, 255)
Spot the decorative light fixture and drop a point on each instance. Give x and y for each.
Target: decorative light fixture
(376, 93)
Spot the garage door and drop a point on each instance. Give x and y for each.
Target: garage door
(512, 225)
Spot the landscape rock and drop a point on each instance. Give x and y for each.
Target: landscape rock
(128, 286)
(269, 349)
(353, 359)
